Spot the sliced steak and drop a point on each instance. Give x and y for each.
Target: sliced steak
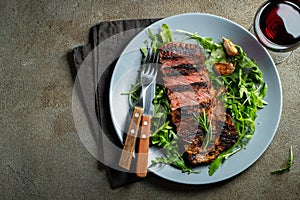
(190, 92)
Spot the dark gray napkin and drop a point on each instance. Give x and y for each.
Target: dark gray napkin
(98, 34)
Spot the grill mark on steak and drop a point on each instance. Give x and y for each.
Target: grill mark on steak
(171, 81)
(190, 92)
(182, 69)
(195, 86)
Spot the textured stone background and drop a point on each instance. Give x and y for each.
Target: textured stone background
(41, 154)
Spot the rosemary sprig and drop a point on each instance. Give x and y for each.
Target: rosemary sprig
(205, 124)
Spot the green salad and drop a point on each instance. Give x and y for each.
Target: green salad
(245, 91)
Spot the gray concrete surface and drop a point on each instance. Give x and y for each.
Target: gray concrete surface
(41, 156)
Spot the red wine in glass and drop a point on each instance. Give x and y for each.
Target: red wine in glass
(277, 25)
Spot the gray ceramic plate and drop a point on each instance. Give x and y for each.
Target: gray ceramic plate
(214, 27)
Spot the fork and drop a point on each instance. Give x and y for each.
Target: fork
(147, 76)
(143, 146)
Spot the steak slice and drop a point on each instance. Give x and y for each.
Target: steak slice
(189, 97)
(179, 61)
(190, 92)
(190, 52)
(171, 81)
(180, 69)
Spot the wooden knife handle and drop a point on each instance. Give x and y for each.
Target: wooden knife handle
(142, 158)
(129, 145)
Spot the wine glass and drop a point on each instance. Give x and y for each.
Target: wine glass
(277, 27)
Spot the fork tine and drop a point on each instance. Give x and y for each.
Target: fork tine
(149, 54)
(148, 70)
(153, 72)
(153, 58)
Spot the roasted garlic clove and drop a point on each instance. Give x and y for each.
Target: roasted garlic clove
(229, 47)
(224, 68)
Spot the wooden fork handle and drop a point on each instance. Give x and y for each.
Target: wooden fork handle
(142, 158)
(129, 145)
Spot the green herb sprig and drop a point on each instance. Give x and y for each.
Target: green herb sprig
(288, 166)
(205, 124)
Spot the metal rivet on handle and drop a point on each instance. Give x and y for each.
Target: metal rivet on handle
(136, 115)
(144, 136)
(132, 131)
(145, 123)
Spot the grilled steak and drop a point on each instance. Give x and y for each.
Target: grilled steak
(190, 92)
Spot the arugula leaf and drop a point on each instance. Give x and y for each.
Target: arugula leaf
(216, 55)
(221, 158)
(288, 166)
(173, 157)
(155, 42)
(166, 34)
(144, 51)
(206, 43)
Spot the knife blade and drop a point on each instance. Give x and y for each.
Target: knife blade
(143, 149)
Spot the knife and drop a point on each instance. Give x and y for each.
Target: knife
(142, 156)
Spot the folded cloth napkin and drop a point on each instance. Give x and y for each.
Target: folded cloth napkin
(101, 34)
